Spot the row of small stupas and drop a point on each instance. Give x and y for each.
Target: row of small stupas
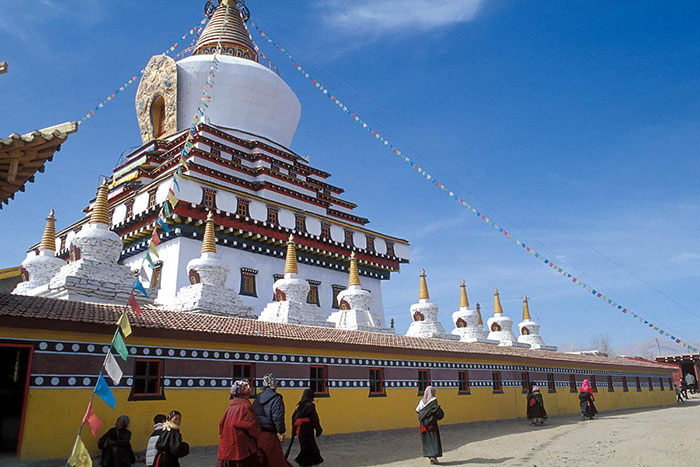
(96, 276)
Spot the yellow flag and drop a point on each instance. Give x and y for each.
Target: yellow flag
(80, 457)
(124, 324)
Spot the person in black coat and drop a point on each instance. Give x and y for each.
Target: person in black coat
(269, 410)
(170, 445)
(429, 413)
(306, 423)
(116, 445)
(535, 406)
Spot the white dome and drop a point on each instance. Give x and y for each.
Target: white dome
(246, 96)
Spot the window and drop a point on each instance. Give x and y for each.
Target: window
(463, 382)
(274, 167)
(651, 384)
(496, 381)
(325, 230)
(336, 290)
(129, 208)
(370, 244)
(194, 277)
(611, 387)
(525, 381)
(63, 243)
(661, 384)
(594, 384)
(348, 238)
(390, 249)
(158, 116)
(423, 380)
(275, 278)
(572, 383)
(216, 152)
(155, 278)
(242, 209)
(152, 197)
(247, 371)
(639, 384)
(670, 384)
(551, 385)
(300, 223)
(248, 282)
(317, 380)
(147, 377)
(376, 382)
(272, 215)
(625, 388)
(74, 253)
(312, 297)
(209, 198)
(495, 327)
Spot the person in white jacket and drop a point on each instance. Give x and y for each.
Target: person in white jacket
(151, 451)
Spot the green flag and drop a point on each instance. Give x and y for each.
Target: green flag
(120, 346)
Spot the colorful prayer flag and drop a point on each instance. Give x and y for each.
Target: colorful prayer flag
(80, 456)
(124, 324)
(134, 306)
(152, 249)
(172, 199)
(104, 392)
(149, 260)
(112, 368)
(120, 346)
(93, 422)
(166, 210)
(138, 286)
(155, 238)
(162, 223)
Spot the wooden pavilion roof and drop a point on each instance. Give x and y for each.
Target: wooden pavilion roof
(22, 156)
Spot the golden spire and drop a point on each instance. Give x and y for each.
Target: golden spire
(478, 310)
(423, 289)
(497, 308)
(290, 262)
(48, 240)
(463, 300)
(526, 309)
(354, 274)
(209, 241)
(225, 29)
(100, 214)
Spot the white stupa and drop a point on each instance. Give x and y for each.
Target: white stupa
(354, 305)
(468, 325)
(38, 269)
(424, 315)
(291, 292)
(208, 292)
(500, 326)
(530, 330)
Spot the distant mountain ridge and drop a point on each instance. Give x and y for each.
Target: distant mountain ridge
(653, 348)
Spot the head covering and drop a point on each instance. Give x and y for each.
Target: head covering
(124, 420)
(269, 381)
(160, 418)
(307, 396)
(238, 385)
(534, 388)
(585, 386)
(428, 394)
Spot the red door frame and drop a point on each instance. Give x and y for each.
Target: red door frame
(26, 390)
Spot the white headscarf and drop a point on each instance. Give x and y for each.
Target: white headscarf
(428, 397)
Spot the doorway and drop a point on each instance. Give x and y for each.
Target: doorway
(15, 361)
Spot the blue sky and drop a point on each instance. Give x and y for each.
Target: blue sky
(573, 124)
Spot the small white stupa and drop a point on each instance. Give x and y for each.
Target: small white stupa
(354, 303)
(95, 276)
(530, 330)
(500, 326)
(290, 304)
(424, 315)
(467, 321)
(38, 269)
(207, 292)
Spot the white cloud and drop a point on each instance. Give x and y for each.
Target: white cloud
(685, 257)
(398, 16)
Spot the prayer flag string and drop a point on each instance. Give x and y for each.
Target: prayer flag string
(375, 134)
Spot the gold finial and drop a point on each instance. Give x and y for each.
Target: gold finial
(48, 240)
(100, 214)
(478, 310)
(209, 241)
(290, 262)
(354, 274)
(463, 300)
(423, 289)
(497, 308)
(526, 309)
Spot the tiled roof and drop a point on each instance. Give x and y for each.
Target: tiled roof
(153, 318)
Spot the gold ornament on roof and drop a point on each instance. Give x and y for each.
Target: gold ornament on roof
(48, 239)
(463, 300)
(100, 210)
(354, 273)
(526, 309)
(497, 308)
(423, 289)
(209, 241)
(290, 262)
(478, 311)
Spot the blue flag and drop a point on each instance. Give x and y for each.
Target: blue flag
(163, 225)
(104, 392)
(139, 287)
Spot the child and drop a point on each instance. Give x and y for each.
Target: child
(170, 445)
(151, 451)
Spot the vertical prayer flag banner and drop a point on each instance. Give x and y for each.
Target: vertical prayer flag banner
(93, 422)
(104, 392)
(80, 456)
(124, 324)
(112, 368)
(134, 305)
(120, 346)
(375, 134)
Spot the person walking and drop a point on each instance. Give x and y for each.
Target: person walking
(684, 388)
(170, 445)
(429, 412)
(269, 410)
(678, 393)
(690, 380)
(239, 432)
(116, 445)
(535, 406)
(586, 401)
(151, 452)
(305, 423)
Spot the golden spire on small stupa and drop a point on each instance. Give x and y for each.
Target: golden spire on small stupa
(423, 288)
(526, 309)
(463, 300)
(354, 274)
(100, 210)
(290, 262)
(48, 239)
(209, 241)
(478, 311)
(497, 308)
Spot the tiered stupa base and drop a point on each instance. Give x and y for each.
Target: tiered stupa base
(429, 329)
(203, 298)
(292, 313)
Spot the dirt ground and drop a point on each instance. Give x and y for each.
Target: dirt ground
(652, 437)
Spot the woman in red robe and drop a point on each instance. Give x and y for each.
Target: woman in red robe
(239, 431)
